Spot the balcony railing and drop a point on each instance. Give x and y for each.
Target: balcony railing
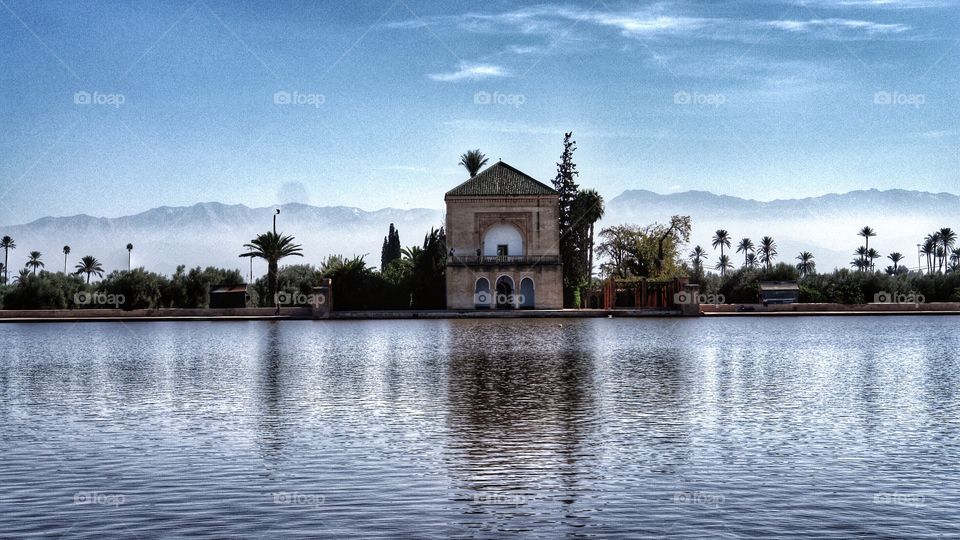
(523, 260)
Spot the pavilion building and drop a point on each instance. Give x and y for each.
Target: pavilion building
(503, 234)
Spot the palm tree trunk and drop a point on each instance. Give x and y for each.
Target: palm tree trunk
(273, 278)
(591, 252)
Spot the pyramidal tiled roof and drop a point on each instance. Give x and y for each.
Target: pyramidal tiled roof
(501, 179)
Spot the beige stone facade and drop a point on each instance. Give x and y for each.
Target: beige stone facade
(504, 241)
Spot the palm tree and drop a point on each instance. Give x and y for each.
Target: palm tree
(872, 255)
(272, 247)
(411, 253)
(34, 261)
(697, 256)
(129, 252)
(955, 260)
(66, 251)
(473, 161)
(948, 239)
(867, 233)
(861, 254)
(721, 238)
(768, 250)
(929, 249)
(895, 258)
(746, 246)
(589, 209)
(89, 265)
(7, 244)
(723, 264)
(806, 266)
(751, 260)
(935, 238)
(23, 277)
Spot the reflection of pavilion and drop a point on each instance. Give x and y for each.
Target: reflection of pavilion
(504, 238)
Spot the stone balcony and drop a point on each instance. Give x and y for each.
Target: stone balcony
(523, 260)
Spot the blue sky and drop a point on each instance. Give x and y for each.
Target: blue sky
(114, 108)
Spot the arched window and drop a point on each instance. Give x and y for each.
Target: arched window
(526, 298)
(482, 299)
(502, 240)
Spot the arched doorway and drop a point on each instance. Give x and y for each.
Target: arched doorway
(481, 294)
(526, 299)
(505, 298)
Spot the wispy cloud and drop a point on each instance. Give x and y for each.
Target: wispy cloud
(470, 72)
(657, 22)
(867, 27)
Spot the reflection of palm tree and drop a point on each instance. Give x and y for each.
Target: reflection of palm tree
(806, 266)
(89, 265)
(129, 252)
(722, 239)
(7, 244)
(66, 251)
(746, 246)
(272, 247)
(768, 250)
(473, 161)
(34, 261)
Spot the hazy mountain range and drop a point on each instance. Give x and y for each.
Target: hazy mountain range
(213, 233)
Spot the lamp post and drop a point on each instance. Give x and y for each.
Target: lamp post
(919, 264)
(275, 221)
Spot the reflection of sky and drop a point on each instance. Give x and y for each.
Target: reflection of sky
(594, 426)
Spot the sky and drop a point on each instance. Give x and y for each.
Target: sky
(112, 108)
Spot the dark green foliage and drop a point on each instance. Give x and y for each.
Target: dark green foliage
(43, 291)
(192, 289)
(391, 248)
(429, 282)
(139, 289)
(842, 286)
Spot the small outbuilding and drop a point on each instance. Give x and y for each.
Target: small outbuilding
(779, 292)
(229, 296)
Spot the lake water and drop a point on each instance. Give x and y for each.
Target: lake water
(717, 428)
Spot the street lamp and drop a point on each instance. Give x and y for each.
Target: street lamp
(919, 264)
(275, 221)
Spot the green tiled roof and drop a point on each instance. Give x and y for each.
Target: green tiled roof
(500, 179)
